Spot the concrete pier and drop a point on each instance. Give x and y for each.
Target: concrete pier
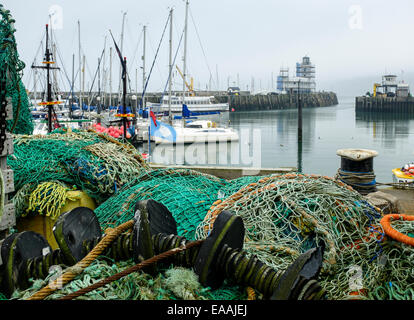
(230, 172)
(385, 104)
(243, 102)
(279, 102)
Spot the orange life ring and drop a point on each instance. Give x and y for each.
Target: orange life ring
(392, 233)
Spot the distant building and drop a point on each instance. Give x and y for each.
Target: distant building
(389, 83)
(304, 82)
(390, 87)
(282, 79)
(403, 90)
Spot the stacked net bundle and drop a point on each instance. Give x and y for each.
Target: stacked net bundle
(11, 69)
(93, 163)
(188, 195)
(285, 215)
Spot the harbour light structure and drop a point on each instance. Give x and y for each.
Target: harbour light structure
(304, 81)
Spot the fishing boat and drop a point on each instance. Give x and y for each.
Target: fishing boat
(403, 175)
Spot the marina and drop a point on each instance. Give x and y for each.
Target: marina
(113, 188)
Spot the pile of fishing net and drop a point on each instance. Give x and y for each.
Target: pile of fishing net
(188, 194)
(285, 215)
(45, 166)
(171, 283)
(11, 70)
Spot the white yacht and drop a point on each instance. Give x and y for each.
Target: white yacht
(198, 131)
(193, 103)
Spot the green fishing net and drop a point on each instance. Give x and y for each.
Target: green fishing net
(188, 194)
(86, 160)
(13, 67)
(171, 283)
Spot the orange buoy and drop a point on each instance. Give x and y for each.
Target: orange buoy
(394, 234)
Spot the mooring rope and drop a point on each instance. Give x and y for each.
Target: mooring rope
(364, 182)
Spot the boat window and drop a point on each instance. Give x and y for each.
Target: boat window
(195, 126)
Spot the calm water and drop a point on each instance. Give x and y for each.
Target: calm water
(269, 140)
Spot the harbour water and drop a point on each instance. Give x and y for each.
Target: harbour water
(268, 139)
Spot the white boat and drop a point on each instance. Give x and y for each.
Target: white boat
(193, 103)
(199, 131)
(404, 176)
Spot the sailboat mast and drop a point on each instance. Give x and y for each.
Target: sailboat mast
(110, 76)
(54, 58)
(35, 86)
(99, 90)
(170, 71)
(104, 72)
(73, 84)
(122, 47)
(83, 78)
(124, 119)
(136, 96)
(80, 68)
(144, 76)
(185, 49)
(49, 85)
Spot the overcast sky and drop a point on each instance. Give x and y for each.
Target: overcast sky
(236, 39)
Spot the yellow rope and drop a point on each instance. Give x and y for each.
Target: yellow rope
(48, 197)
(251, 294)
(71, 273)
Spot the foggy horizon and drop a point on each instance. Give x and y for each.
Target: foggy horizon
(351, 43)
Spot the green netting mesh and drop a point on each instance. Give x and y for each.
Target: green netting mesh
(285, 215)
(85, 159)
(232, 186)
(173, 283)
(13, 68)
(187, 194)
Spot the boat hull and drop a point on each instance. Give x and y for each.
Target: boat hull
(401, 177)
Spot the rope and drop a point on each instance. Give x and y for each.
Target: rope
(48, 197)
(132, 269)
(111, 235)
(392, 233)
(251, 294)
(364, 182)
